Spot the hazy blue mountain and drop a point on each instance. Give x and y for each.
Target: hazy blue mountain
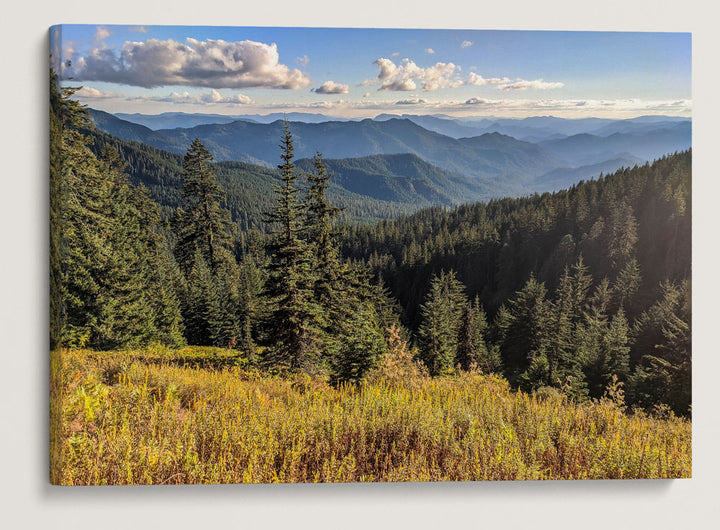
(542, 128)
(124, 129)
(639, 125)
(481, 157)
(514, 156)
(537, 126)
(584, 149)
(173, 140)
(534, 129)
(491, 164)
(173, 120)
(403, 178)
(565, 177)
(654, 118)
(305, 117)
(446, 126)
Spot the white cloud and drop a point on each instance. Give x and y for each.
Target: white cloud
(399, 85)
(367, 95)
(429, 50)
(395, 54)
(101, 33)
(138, 29)
(87, 92)
(466, 44)
(408, 76)
(505, 83)
(476, 101)
(210, 63)
(522, 84)
(387, 68)
(331, 87)
(303, 61)
(478, 80)
(411, 101)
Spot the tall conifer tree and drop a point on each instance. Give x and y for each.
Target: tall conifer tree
(295, 318)
(202, 223)
(104, 261)
(472, 345)
(203, 230)
(441, 316)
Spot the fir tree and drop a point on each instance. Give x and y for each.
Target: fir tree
(331, 290)
(663, 335)
(626, 287)
(523, 339)
(251, 302)
(441, 316)
(559, 331)
(202, 223)
(556, 331)
(295, 319)
(104, 259)
(473, 351)
(203, 232)
(589, 336)
(615, 348)
(622, 236)
(361, 344)
(198, 302)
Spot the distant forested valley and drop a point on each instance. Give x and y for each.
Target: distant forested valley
(482, 252)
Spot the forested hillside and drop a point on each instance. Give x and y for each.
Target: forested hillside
(586, 282)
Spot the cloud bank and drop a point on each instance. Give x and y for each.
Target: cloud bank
(210, 63)
(522, 84)
(183, 98)
(212, 97)
(365, 107)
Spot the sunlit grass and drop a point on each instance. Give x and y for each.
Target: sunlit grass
(199, 416)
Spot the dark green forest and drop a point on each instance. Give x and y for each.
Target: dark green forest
(569, 288)
(583, 291)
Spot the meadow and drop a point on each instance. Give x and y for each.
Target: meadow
(205, 416)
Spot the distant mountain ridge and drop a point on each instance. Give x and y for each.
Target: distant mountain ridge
(173, 120)
(534, 128)
(582, 149)
(369, 188)
(491, 162)
(484, 157)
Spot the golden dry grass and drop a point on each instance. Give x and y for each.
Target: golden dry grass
(197, 416)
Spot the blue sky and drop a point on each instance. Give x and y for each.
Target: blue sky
(363, 72)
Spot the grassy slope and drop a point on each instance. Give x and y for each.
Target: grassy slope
(198, 416)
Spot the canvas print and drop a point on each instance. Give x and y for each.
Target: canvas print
(342, 255)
